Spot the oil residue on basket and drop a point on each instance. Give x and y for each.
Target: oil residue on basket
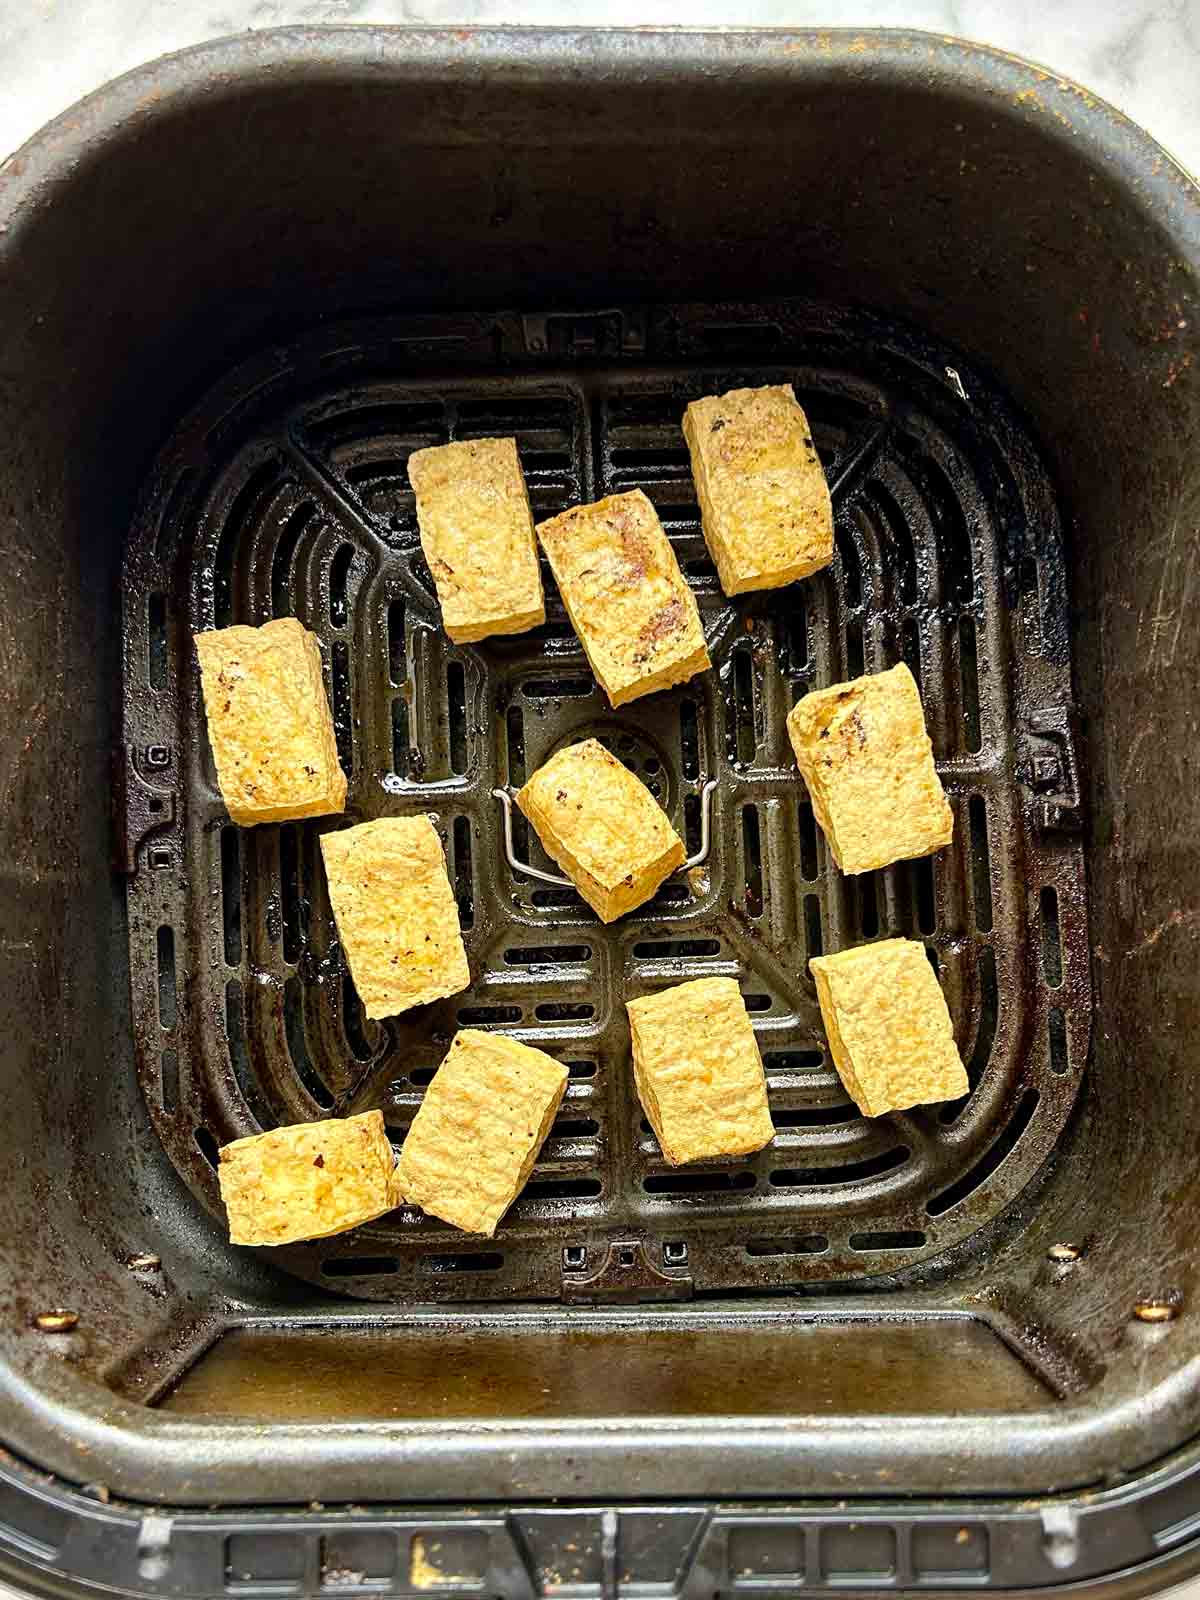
(805, 1367)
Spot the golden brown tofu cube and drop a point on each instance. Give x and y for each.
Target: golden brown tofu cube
(485, 1116)
(625, 595)
(269, 723)
(308, 1181)
(888, 1026)
(603, 826)
(698, 1071)
(764, 502)
(864, 753)
(477, 535)
(396, 913)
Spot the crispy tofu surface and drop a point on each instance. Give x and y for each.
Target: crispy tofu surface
(477, 535)
(269, 723)
(603, 827)
(396, 913)
(308, 1181)
(625, 595)
(866, 758)
(698, 1071)
(764, 502)
(888, 1026)
(472, 1145)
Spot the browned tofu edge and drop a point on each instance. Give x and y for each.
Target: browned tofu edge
(375, 1175)
(737, 577)
(609, 900)
(639, 1011)
(824, 969)
(803, 736)
(529, 611)
(212, 648)
(456, 974)
(416, 1186)
(671, 673)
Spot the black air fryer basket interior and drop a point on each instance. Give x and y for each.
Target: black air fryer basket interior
(236, 290)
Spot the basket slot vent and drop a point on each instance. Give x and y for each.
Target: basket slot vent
(284, 559)
(894, 1239)
(752, 863)
(397, 644)
(467, 1261)
(168, 1081)
(1051, 938)
(849, 1172)
(168, 1005)
(1056, 1027)
(292, 906)
(981, 865)
(354, 1022)
(564, 1011)
(551, 955)
(207, 1147)
(557, 688)
(297, 1043)
(686, 1182)
(484, 1016)
(804, 1244)
(968, 666)
(231, 894)
(342, 715)
(359, 1266)
(464, 881)
(456, 716)
(997, 1153)
(339, 578)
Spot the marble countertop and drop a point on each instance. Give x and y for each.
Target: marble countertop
(1143, 55)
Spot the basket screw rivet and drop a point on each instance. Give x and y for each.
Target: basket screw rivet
(146, 1263)
(1155, 1311)
(1064, 1252)
(55, 1321)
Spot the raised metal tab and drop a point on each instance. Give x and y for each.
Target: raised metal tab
(625, 1276)
(1048, 764)
(139, 808)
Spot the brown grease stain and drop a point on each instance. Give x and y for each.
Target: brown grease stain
(859, 1367)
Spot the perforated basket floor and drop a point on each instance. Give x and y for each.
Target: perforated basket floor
(286, 493)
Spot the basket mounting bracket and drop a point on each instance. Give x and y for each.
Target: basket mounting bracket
(625, 1275)
(1048, 763)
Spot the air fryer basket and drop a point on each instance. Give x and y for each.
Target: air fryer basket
(236, 290)
(286, 495)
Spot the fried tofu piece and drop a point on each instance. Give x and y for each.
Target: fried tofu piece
(764, 502)
(308, 1181)
(625, 595)
(603, 827)
(396, 913)
(864, 753)
(477, 535)
(698, 1071)
(888, 1026)
(269, 723)
(472, 1145)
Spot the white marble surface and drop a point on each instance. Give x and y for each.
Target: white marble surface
(1143, 55)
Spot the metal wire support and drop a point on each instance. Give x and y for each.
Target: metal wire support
(707, 790)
